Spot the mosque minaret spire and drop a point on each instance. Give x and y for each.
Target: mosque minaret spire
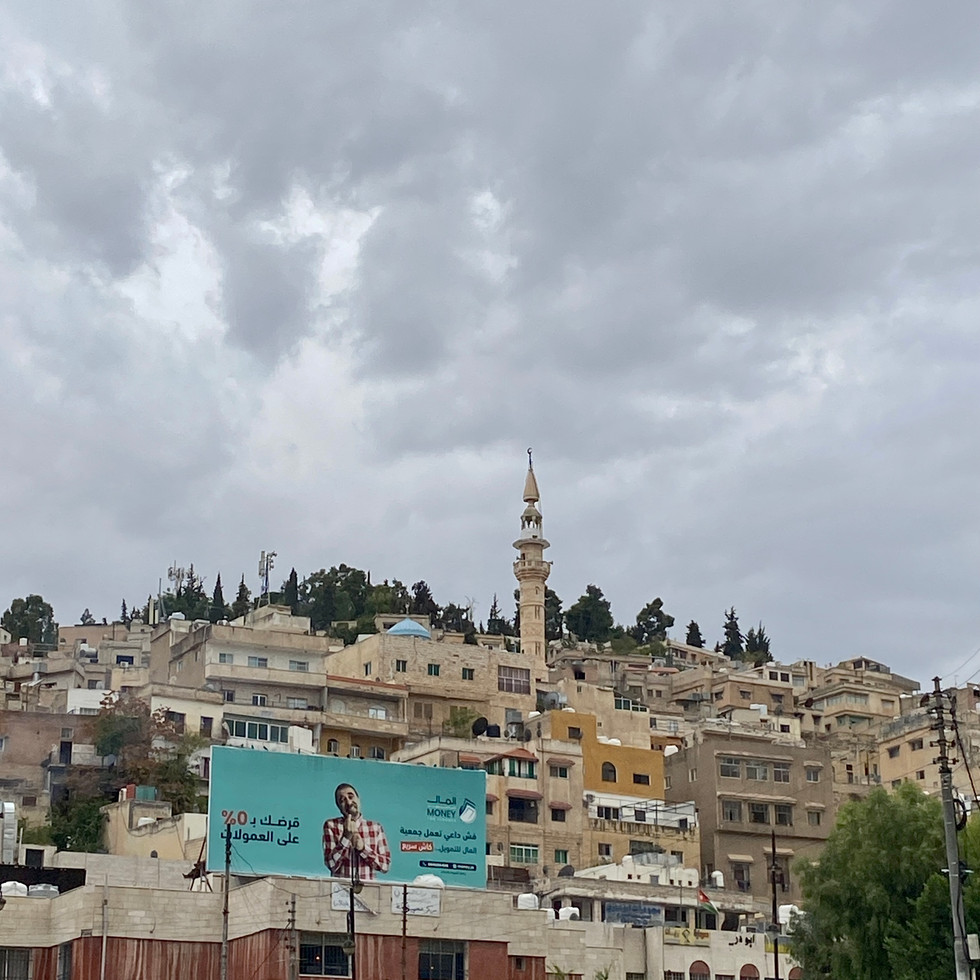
(532, 573)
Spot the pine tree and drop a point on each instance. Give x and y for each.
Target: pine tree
(757, 646)
(243, 601)
(290, 591)
(590, 618)
(218, 610)
(87, 618)
(124, 614)
(652, 623)
(732, 648)
(694, 637)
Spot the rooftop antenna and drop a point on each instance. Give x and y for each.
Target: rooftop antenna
(176, 574)
(266, 561)
(530, 461)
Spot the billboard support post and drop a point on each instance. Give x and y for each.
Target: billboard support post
(404, 928)
(224, 905)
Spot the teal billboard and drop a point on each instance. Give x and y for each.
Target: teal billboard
(314, 816)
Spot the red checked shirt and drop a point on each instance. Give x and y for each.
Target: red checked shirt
(338, 851)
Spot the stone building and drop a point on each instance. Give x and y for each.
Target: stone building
(747, 784)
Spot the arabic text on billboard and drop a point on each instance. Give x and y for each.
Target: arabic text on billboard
(314, 816)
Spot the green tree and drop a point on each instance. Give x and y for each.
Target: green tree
(652, 623)
(553, 616)
(757, 646)
(290, 592)
(190, 599)
(732, 647)
(243, 601)
(694, 637)
(124, 616)
(590, 618)
(388, 597)
(87, 619)
(496, 623)
(218, 608)
(861, 897)
(31, 619)
(423, 604)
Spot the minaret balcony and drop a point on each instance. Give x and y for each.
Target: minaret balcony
(531, 568)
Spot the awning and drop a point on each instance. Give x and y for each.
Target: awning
(519, 753)
(491, 798)
(556, 805)
(524, 794)
(560, 760)
(741, 858)
(472, 759)
(785, 851)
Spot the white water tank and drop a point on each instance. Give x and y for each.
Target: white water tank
(527, 900)
(717, 879)
(13, 889)
(567, 913)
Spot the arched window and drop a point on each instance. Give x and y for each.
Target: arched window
(608, 772)
(748, 972)
(333, 746)
(699, 971)
(796, 973)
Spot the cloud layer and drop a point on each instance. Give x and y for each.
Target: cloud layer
(311, 278)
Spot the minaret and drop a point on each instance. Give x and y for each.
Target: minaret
(532, 572)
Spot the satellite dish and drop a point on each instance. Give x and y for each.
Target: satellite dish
(567, 872)
(527, 735)
(480, 726)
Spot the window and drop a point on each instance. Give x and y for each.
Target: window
(401, 666)
(377, 711)
(226, 658)
(639, 816)
(523, 853)
(257, 730)
(493, 767)
(442, 959)
(641, 779)
(608, 772)
(229, 696)
(522, 811)
(893, 751)
(699, 971)
(355, 752)
(367, 669)
(376, 752)
(916, 744)
(297, 703)
(813, 818)
(333, 746)
(28, 801)
(468, 673)
(812, 774)
(758, 813)
(207, 724)
(422, 709)
(730, 767)
(15, 964)
(301, 665)
(674, 975)
(489, 814)
(745, 695)
(64, 962)
(605, 850)
(561, 857)
(731, 811)
(780, 772)
(514, 680)
(522, 768)
(558, 772)
(920, 774)
(607, 812)
(692, 775)
(557, 816)
(433, 670)
(321, 954)
(784, 815)
(574, 732)
(756, 770)
(259, 700)
(740, 875)
(666, 782)
(258, 661)
(178, 719)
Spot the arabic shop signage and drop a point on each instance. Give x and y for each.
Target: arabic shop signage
(287, 815)
(685, 936)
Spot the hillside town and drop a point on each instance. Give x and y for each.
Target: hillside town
(645, 808)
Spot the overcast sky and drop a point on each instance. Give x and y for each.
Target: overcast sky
(311, 277)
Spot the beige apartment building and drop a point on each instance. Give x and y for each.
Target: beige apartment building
(746, 785)
(534, 805)
(449, 685)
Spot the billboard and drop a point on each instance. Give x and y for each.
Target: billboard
(314, 816)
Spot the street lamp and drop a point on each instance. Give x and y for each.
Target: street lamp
(349, 945)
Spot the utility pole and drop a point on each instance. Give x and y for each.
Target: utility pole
(938, 708)
(293, 940)
(775, 874)
(224, 905)
(404, 931)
